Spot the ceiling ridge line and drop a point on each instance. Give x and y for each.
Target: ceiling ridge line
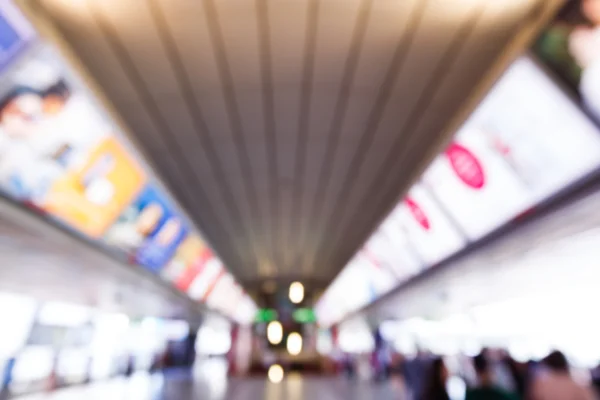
(111, 36)
(195, 111)
(443, 67)
(403, 48)
(266, 67)
(229, 94)
(351, 64)
(304, 114)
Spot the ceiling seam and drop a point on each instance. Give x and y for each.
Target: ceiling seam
(443, 68)
(304, 115)
(324, 177)
(172, 147)
(194, 110)
(403, 48)
(229, 94)
(265, 53)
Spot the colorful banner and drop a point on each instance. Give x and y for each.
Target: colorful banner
(205, 281)
(91, 197)
(56, 151)
(224, 295)
(189, 259)
(150, 229)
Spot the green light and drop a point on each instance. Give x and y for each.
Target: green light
(265, 315)
(304, 316)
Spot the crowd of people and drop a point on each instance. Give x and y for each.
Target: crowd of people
(495, 376)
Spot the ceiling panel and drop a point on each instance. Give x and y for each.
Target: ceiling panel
(289, 128)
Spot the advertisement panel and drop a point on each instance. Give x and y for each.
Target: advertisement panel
(525, 142)
(205, 281)
(570, 46)
(91, 197)
(380, 278)
(191, 252)
(225, 295)
(150, 229)
(391, 245)
(393, 256)
(57, 153)
(428, 229)
(351, 290)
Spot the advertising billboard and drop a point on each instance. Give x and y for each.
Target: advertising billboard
(429, 230)
(57, 152)
(389, 247)
(525, 142)
(188, 261)
(225, 295)
(150, 229)
(204, 282)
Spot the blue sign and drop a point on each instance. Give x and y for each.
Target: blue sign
(9, 38)
(149, 229)
(162, 226)
(14, 34)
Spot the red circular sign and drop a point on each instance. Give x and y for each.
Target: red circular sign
(418, 213)
(466, 166)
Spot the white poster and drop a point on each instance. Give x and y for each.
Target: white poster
(206, 279)
(429, 231)
(525, 142)
(225, 295)
(390, 246)
(350, 291)
(380, 279)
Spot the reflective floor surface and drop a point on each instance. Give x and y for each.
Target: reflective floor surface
(208, 382)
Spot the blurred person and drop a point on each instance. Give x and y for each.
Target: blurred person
(519, 375)
(595, 374)
(382, 362)
(486, 388)
(435, 386)
(555, 382)
(501, 374)
(348, 366)
(414, 373)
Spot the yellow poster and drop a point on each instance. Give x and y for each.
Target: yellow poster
(90, 198)
(187, 253)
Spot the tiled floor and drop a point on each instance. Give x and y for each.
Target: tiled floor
(208, 382)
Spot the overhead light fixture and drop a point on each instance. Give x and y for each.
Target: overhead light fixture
(296, 292)
(294, 343)
(275, 373)
(274, 332)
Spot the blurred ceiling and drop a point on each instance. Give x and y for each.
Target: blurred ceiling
(289, 128)
(50, 264)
